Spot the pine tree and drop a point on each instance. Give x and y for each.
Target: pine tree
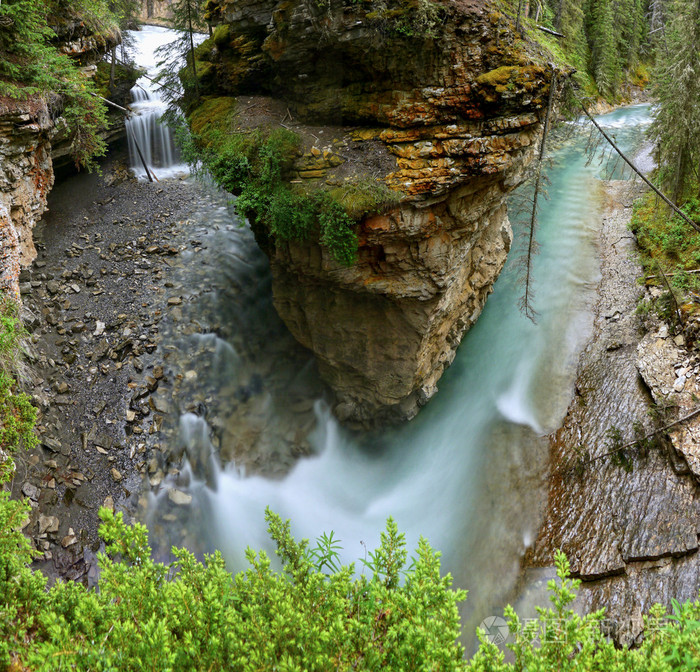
(605, 66)
(676, 126)
(31, 65)
(629, 30)
(569, 21)
(126, 13)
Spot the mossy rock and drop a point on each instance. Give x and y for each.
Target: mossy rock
(124, 80)
(366, 197)
(498, 77)
(203, 51)
(513, 78)
(214, 114)
(222, 36)
(206, 73)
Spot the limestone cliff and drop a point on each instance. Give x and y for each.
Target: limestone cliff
(156, 11)
(444, 103)
(26, 177)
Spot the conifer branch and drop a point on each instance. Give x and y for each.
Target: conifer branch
(631, 444)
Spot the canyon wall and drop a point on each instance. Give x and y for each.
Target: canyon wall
(28, 144)
(26, 177)
(156, 11)
(441, 102)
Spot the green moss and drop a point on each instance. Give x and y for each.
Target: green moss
(364, 197)
(499, 76)
(203, 51)
(640, 76)
(206, 74)
(256, 165)
(222, 35)
(510, 76)
(214, 115)
(124, 77)
(17, 415)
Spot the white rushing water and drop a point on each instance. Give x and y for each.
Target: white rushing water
(143, 128)
(469, 472)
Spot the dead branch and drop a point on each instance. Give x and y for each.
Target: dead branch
(151, 176)
(526, 302)
(672, 273)
(670, 291)
(631, 444)
(549, 31)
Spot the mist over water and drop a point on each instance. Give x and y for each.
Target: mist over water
(469, 472)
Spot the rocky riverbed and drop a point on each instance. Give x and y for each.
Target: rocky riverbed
(131, 327)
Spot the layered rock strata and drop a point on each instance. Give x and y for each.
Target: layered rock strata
(449, 116)
(26, 177)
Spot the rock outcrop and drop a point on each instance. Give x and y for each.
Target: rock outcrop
(628, 523)
(26, 177)
(156, 11)
(449, 104)
(671, 371)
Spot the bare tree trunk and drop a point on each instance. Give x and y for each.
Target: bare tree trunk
(670, 291)
(680, 175)
(526, 301)
(657, 16)
(194, 63)
(112, 69)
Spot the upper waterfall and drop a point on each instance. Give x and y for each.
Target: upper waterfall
(144, 129)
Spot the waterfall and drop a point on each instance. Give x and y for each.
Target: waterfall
(143, 129)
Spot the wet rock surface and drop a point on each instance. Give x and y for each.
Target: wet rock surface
(628, 523)
(92, 304)
(669, 362)
(126, 337)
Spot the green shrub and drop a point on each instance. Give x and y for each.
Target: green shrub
(190, 615)
(364, 197)
(17, 415)
(559, 639)
(255, 166)
(313, 615)
(664, 237)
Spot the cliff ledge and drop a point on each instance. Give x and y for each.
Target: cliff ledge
(441, 102)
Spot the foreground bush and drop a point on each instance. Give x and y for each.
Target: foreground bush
(313, 615)
(194, 616)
